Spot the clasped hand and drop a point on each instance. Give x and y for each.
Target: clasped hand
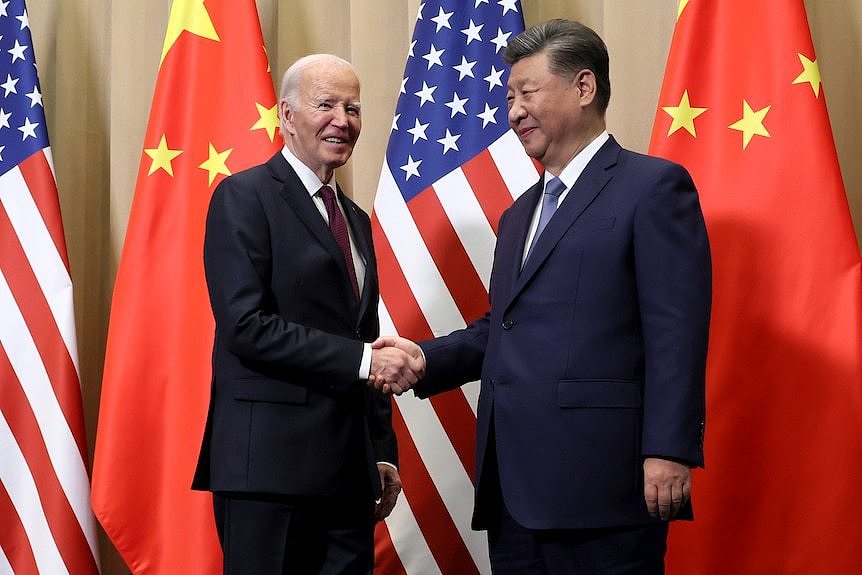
(396, 365)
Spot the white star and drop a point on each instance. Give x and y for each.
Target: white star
(3, 8)
(508, 5)
(4, 118)
(25, 21)
(433, 56)
(418, 131)
(35, 97)
(425, 94)
(411, 168)
(1, 152)
(17, 52)
(472, 32)
(480, 2)
(9, 85)
(410, 51)
(442, 19)
(395, 122)
(404, 85)
(28, 129)
(449, 142)
(493, 78)
(501, 40)
(457, 105)
(465, 68)
(421, 7)
(488, 116)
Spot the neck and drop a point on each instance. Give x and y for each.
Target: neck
(578, 145)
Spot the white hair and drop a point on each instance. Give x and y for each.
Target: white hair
(291, 80)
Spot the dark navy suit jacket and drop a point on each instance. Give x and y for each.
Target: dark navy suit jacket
(287, 414)
(592, 357)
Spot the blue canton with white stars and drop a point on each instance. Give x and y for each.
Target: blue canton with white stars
(453, 95)
(22, 116)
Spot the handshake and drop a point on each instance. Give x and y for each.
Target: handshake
(396, 365)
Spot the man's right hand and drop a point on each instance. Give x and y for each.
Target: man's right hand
(396, 364)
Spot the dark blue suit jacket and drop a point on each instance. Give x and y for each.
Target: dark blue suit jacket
(287, 413)
(593, 356)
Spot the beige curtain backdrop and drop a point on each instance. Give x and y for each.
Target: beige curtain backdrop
(98, 61)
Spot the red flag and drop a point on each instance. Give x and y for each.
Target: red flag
(46, 524)
(213, 113)
(742, 107)
(452, 166)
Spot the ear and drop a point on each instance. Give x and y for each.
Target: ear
(285, 116)
(585, 84)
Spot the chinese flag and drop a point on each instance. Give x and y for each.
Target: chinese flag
(213, 113)
(742, 107)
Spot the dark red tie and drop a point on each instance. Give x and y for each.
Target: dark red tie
(338, 227)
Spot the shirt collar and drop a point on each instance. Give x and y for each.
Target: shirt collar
(308, 178)
(576, 165)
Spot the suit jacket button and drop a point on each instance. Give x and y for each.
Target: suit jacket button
(357, 335)
(508, 324)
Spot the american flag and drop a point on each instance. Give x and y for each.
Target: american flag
(46, 525)
(452, 166)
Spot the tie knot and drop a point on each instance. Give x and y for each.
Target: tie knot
(326, 193)
(555, 187)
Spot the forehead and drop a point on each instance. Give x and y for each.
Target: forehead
(529, 70)
(330, 80)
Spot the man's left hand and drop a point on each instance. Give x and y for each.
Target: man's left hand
(390, 481)
(667, 487)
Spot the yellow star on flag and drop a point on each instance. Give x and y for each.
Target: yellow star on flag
(188, 15)
(682, 5)
(216, 163)
(683, 115)
(810, 73)
(268, 120)
(751, 123)
(162, 157)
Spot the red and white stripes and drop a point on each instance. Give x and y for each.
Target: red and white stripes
(434, 259)
(44, 483)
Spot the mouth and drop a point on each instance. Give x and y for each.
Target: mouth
(525, 132)
(335, 140)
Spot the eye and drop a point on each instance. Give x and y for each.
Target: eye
(353, 110)
(324, 106)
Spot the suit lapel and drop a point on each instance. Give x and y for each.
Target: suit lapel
(294, 193)
(594, 178)
(362, 238)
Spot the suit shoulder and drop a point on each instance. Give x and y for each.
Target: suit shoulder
(248, 178)
(645, 163)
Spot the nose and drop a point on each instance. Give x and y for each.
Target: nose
(339, 116)
(516, 112)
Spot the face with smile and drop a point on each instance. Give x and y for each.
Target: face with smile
(550, 113)
(321, 118)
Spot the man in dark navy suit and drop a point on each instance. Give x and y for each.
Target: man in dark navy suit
(297, 447)
(592, 356)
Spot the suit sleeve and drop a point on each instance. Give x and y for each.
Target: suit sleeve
(673, 271)
(238, 264)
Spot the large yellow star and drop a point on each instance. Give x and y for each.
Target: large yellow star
(751, 123)
(682, 5)
(810, 73)
(162, 157)
(683, 115)
(216, 163)
(188, 15)
(268, 120)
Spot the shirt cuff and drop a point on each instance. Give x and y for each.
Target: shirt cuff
(365, 364)
(395, 467)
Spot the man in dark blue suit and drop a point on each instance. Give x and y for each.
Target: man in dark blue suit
(297, 448)
(592, 356)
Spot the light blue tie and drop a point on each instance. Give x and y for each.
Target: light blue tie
(550, 199)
